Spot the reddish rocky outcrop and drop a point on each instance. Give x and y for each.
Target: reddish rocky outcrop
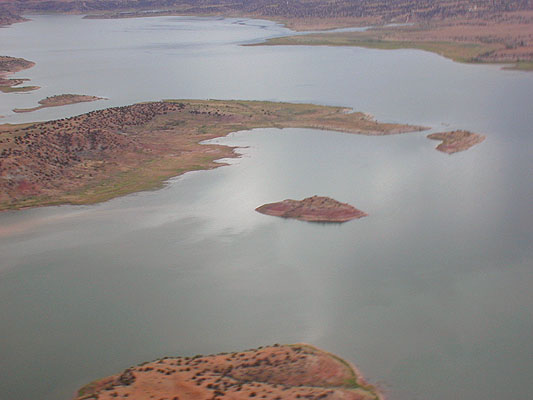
(313, 209)
(274, 373)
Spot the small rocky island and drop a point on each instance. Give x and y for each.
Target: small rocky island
(453, 142)
(274, 373)
(312, 209)
(60, 100)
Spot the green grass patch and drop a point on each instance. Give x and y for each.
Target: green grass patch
(522, 66)
(461, 52)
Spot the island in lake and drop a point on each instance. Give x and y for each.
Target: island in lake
(60, 100)
(10, 65)
(115, 151)
(453, 142)
(312, 209)
(274, 373)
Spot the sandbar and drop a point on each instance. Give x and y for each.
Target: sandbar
(313, 209)
(274, 373)
(59, 100)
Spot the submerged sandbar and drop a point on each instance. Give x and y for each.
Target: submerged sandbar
(274, 373)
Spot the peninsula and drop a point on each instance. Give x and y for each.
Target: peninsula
(312, 209)
(464, 30)
(10, 65)
(274, 373)
(453, 142)
(115, 151)
(507, 38)
(60, 100)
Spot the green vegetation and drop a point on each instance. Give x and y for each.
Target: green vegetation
(354, 381)
(461, 52)
(522, 66)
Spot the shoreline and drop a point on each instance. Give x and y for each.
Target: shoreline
(9, 66)
(271, 372)
(459, 42)
(59, 101)
(116, 151)
(499, 38)
(501, 43)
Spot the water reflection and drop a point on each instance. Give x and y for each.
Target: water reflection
(431, 288)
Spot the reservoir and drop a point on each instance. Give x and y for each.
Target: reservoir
(430, 295)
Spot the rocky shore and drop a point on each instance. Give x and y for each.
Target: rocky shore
(273, 373)
(312, 209)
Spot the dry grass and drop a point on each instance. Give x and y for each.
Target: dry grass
(272, 373)
(507, 39)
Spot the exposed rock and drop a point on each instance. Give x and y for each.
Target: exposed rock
(314, 209)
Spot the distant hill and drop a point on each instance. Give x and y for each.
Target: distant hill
(386, 10)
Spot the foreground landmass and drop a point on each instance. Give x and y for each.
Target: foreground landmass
(312, 209)
(108, 153)
(59, 100)
(453, 142)
(274, 373)
(10, 65)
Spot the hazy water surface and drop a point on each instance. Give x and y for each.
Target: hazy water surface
(430, 295)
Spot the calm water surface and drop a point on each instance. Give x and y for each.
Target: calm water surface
(430, 295)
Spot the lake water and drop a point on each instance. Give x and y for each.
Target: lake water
(430, 295)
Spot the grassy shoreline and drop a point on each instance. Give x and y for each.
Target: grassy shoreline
(463, 52)
(108, 153)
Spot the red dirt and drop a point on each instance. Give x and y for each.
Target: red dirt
(275, 372)
(313, 209)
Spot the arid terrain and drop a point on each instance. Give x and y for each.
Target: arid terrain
(107, 153)
(7, 17)
(453, 142)
(505, 38)
(59, 100)
(473, 31)
(312, 209)
(10, 65)
(275, 372)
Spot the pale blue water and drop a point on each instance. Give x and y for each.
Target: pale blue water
(430, 295)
